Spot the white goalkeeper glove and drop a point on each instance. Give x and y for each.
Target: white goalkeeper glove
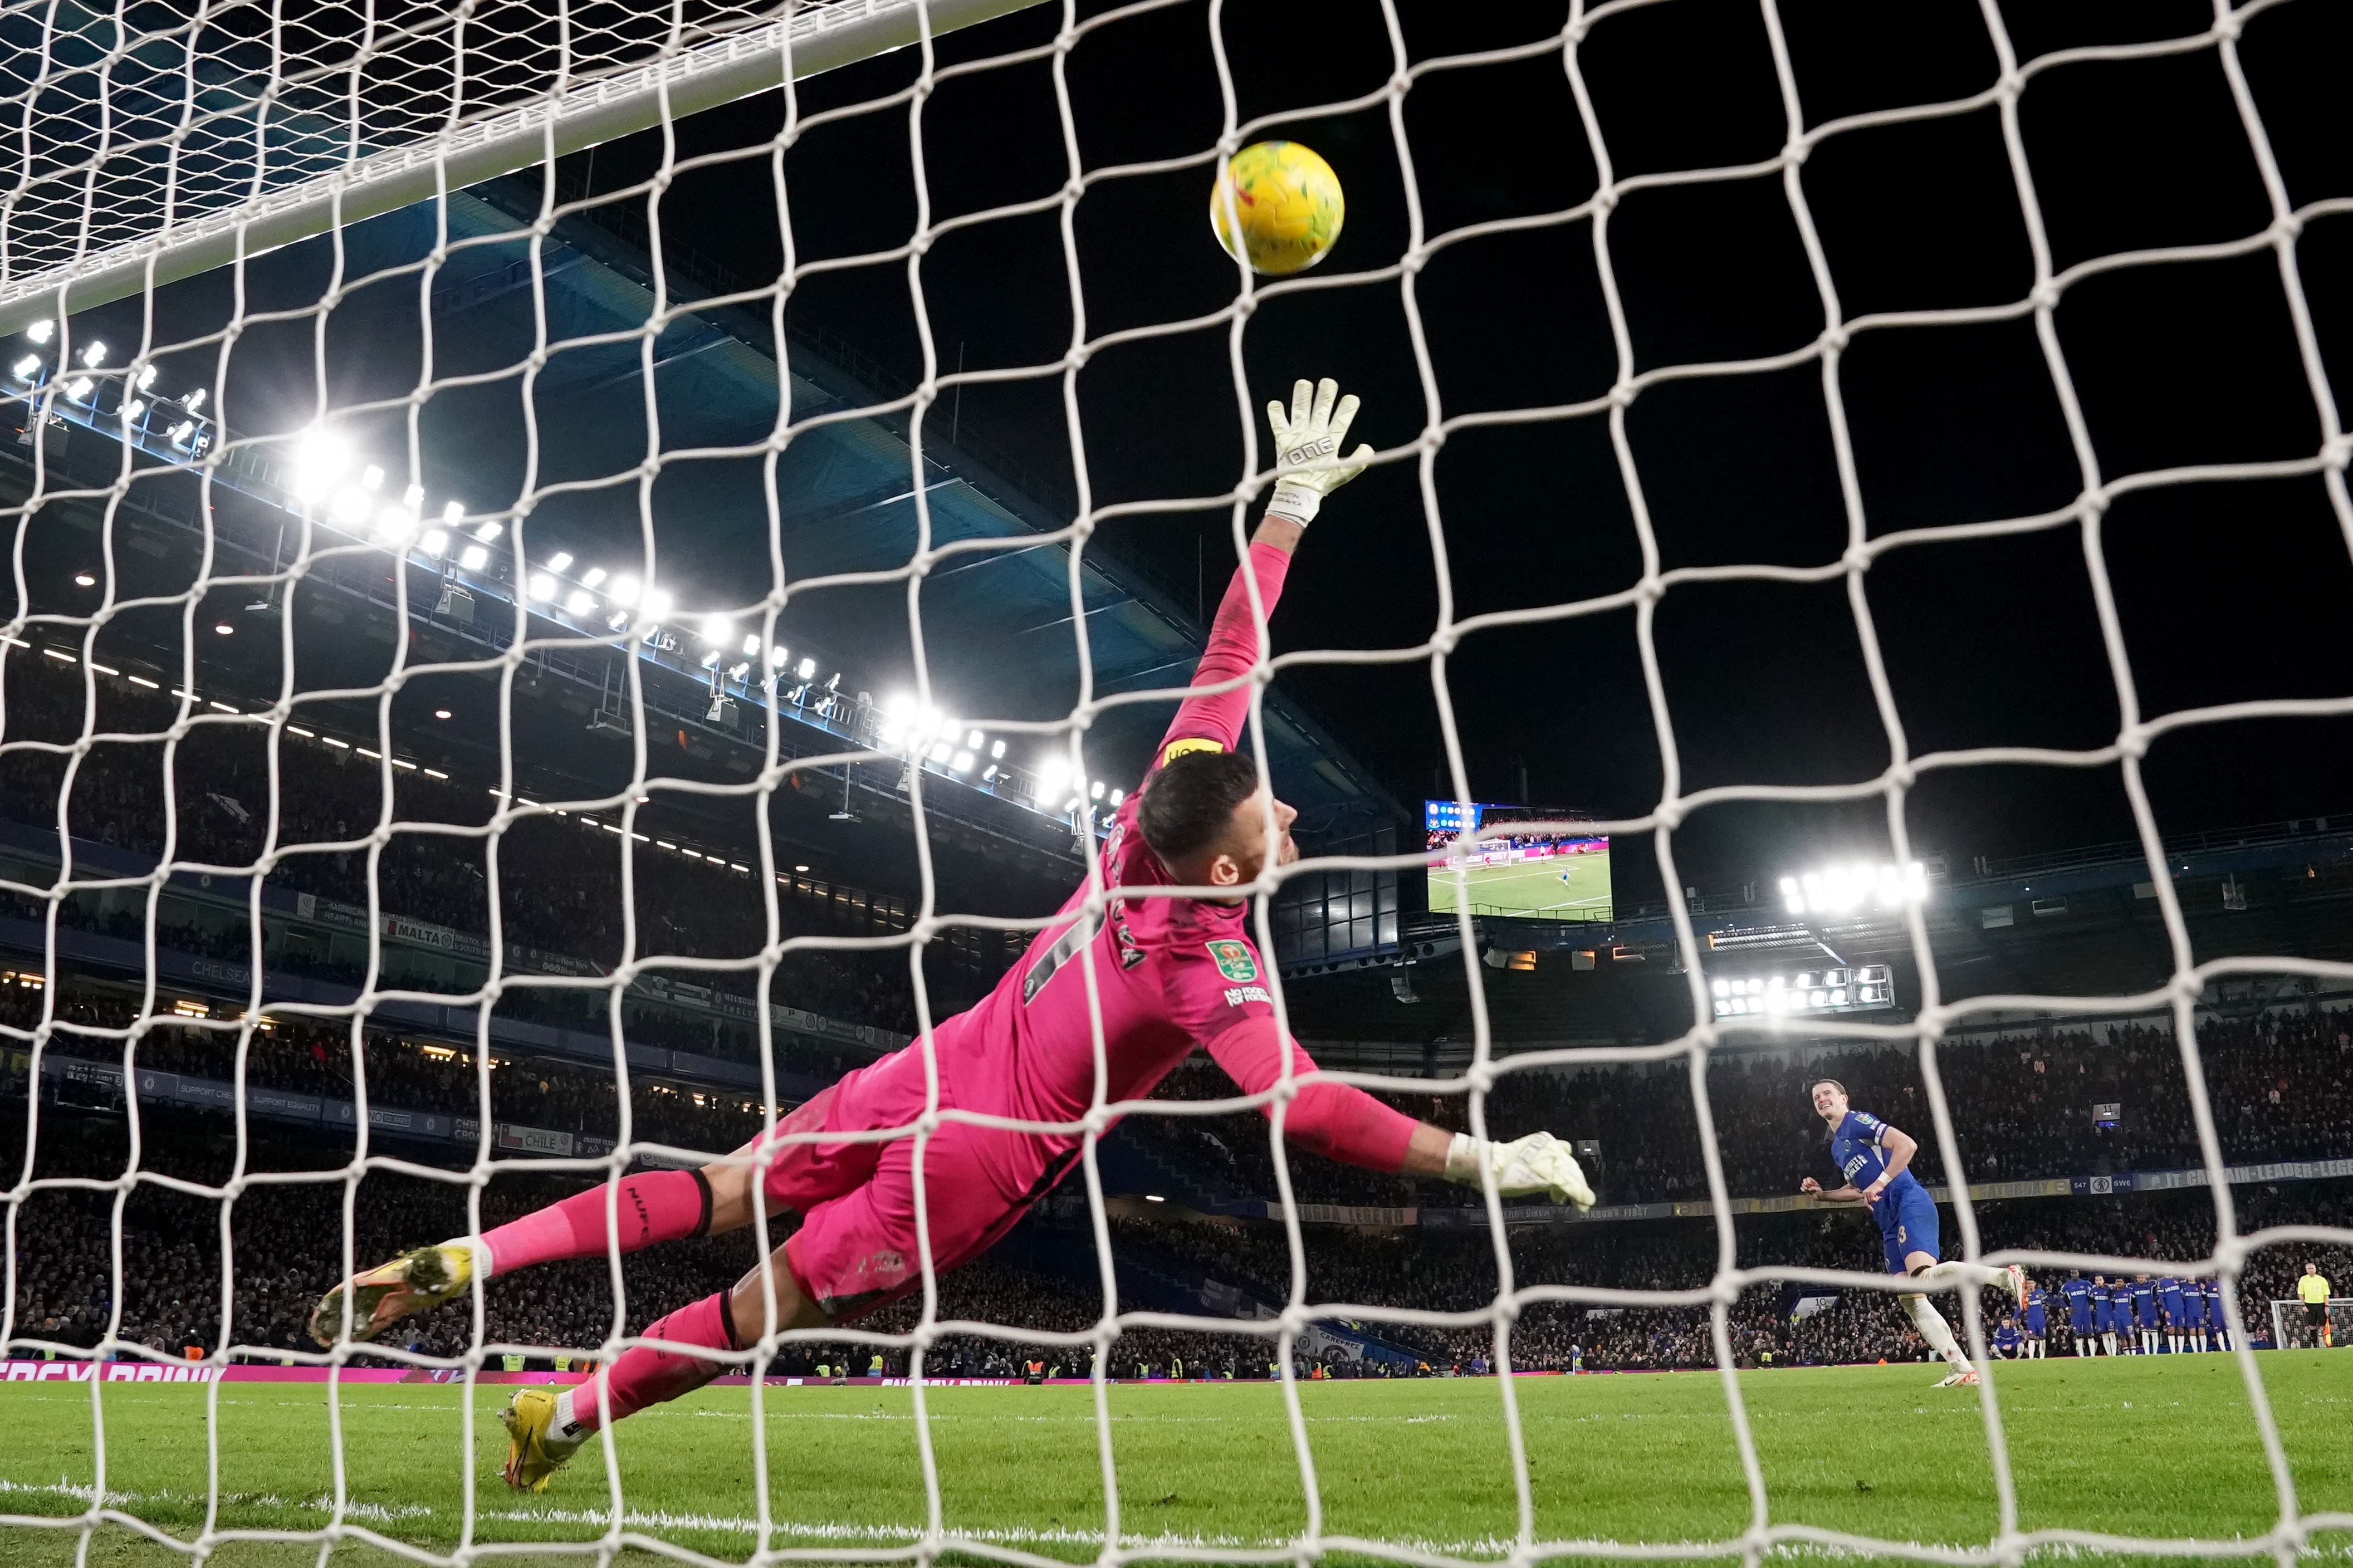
(1311, 433)
(1538, 1162)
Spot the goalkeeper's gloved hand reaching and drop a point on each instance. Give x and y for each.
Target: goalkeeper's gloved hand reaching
(1538, 1162)
(1311, 433)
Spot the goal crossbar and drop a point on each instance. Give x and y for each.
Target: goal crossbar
(619, 102)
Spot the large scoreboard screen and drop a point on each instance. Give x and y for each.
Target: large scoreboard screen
(1550, 872)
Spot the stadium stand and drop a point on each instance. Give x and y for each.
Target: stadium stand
(2023, 1104)
(289, 1237)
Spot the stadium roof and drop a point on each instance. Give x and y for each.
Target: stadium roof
(998, 626)
(569, 469)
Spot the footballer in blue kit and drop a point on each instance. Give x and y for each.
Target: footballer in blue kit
(2144, 1310)
(2218, 1323)
(2037, 1320)
(2007, 1342)
(1874, 1160)
(2168, 1304)
(2078, 1292)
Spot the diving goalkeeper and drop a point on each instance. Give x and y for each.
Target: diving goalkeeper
(1171, 973)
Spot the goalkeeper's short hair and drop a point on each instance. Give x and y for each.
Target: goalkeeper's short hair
(1187, 804)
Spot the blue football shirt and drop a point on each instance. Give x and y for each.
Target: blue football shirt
(1859, 1147)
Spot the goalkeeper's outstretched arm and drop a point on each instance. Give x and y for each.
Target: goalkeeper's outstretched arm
(1343, 1122)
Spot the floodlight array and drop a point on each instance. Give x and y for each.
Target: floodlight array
(1844, 888)
(1865, 988)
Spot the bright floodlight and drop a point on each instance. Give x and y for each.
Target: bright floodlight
(393, 524)
(24, 368)
(134, 409)
(960, 763)
(371, 477)
(657, 604)
(541, 587)
(475, 558)
(751, 643)
(807, 669)
(1053, 775)
(778, 655)
(717, 629)
(560, 560)
(1842, 889)
(581, 602)
(195, 401)
(41, 332)
(81, 388)
(624, 591)
(147, 378)
(488, 530)
(319, 462)
(899, 706)
(94, 355)
(594, 576)
(435, 543)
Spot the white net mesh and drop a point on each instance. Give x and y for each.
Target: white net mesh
(152, 143)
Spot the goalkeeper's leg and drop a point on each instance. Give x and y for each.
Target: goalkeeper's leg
(651, 1207)
(852, 1255)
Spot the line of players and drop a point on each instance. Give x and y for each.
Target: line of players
(2139, 1316)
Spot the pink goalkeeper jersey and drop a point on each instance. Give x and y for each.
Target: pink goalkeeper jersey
(1171, 973)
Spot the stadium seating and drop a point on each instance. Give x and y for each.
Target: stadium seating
(286, 1240)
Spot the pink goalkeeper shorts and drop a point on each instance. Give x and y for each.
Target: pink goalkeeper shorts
(856, 1249)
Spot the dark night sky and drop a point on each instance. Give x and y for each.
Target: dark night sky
(2225, 591)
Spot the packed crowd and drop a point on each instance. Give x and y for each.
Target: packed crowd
(1457, 1273)
(2023, 1105)
(301, 1056)
(286, 1243)
(560, 881)
(286, 1247)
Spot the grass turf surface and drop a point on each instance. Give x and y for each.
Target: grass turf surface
(1532, 887)
(2146, 1448)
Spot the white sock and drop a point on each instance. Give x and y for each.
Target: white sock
(1952, 1276)
(565, 1430)
(1933, 1329)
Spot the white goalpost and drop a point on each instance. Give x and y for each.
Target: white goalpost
(2292, 1324)
(144, 151)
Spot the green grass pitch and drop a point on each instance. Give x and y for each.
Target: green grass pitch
(2157, 1448)
(1532, 887)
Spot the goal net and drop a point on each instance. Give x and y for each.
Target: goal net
(2294, 1324)
(475, 473)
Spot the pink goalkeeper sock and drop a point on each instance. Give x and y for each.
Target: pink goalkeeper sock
(645, 1375)
(660, 1205)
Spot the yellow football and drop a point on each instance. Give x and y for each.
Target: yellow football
(1286, 202)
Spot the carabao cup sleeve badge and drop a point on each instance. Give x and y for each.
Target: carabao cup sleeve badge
(1234, 960)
